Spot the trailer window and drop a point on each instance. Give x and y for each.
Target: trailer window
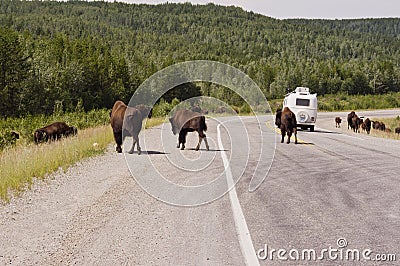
(302, 102)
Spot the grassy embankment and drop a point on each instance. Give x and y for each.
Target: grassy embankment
(391, 123)
(21, 163)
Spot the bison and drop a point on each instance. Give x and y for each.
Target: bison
(378, 125)
(338, 120)
(397, 130)
(367, 124)
(356, 123)
(382, 126)
(131, 118)
(286, 121)
(53, 132)
(184, 121)
(350, 120)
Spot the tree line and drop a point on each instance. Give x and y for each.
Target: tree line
(64, 53)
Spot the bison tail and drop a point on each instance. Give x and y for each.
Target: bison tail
(203, 125)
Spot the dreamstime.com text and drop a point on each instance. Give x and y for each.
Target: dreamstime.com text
(338, 253)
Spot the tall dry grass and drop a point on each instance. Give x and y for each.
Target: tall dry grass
(21, 164)
(391, 123)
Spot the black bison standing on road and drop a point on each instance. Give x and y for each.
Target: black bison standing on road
(356, 123)
(338, 120)
(286, 121)
(350, 120)
(53, 132)
(367, 124)
(131, 118)
(184, 121)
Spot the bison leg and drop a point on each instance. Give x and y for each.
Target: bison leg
(199, 143)
(118, 140)
(205, 140)
(135, 140)
(201, 137)
(139, 150)
(182, 139)
(289, 135)
(283, 132)
(295, 135)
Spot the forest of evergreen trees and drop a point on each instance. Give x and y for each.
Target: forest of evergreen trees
(61, 53)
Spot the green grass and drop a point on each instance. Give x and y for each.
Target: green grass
(155, 121)
(25, 126)
(21, 164)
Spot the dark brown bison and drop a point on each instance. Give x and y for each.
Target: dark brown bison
(382, 126)
(338, 120)
(375, 124)
(53, 131)
(356, 123)
(350, 120)
(397, 130)
(378, 125)
(184, 121)
(286, 121)
(388, 130)
(367, 124)
(127, 121)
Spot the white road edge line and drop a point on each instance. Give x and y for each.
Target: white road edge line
(246, 244)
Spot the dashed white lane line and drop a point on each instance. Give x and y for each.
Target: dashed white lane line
(246, 244)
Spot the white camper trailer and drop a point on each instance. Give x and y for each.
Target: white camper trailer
(304, 106)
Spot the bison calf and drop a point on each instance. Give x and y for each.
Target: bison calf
(338, 120)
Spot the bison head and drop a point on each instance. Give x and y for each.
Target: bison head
(39, 136)
(71, 131)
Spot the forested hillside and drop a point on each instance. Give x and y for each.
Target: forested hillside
(54, 53)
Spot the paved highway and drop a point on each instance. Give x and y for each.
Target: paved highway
(334, 190)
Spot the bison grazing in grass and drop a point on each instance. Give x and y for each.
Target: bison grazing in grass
(128, 120)
(397, 130)
(286, 121)
(338, 120)
(378, 125)
(184, 121)
(53, 132)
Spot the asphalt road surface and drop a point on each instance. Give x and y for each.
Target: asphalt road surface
(333, 192)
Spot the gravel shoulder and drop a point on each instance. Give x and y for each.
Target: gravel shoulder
(96, 214)
(34, 225)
